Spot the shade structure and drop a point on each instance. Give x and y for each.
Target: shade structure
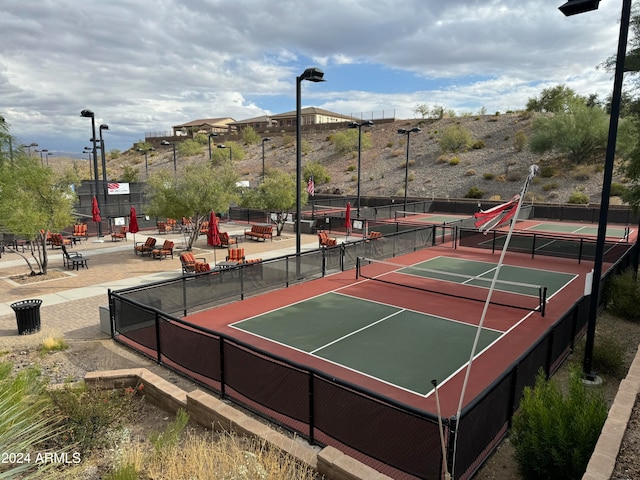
(213, 234)
(95, 212)
(133, 223)
(347, 218)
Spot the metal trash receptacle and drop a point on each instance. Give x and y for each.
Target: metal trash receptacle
(27, 315)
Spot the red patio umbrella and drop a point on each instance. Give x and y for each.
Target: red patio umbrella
(133, 223)
(95, 211)
(213, 234)
(347, 218)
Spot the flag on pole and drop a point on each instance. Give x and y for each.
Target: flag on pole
(311, 188)
(497, 216)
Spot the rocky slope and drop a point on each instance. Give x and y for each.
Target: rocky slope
(496, 166)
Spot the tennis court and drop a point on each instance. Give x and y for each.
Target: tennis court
(427, 218)
(404, 346)
(612, 231)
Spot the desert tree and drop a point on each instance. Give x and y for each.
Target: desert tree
(277, 194)
(194, 192)
(33, 200)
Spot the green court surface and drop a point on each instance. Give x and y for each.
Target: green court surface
(524, 280)
(614, 232)
(577, 248)
(398, 346)
(426, 218)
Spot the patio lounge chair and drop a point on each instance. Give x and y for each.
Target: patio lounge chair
(225, 241)
(73, 260)
(120, 235)
(165, 251)
(191, 264)
(236, 255)
(145, 247)
(57, 240)
(80, 231)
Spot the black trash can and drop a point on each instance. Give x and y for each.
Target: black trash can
(27, 315)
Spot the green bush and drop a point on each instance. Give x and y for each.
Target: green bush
(618, 190)
(608, 356)
(250, 136)
(455, 138)
(319, 172)
(519, 140)
(91, 414)
(479, 145)
(550, 186)
(488, 176)
(454, 161)
(474, 192)
(579, 198)
(189, 148)
(547, 172)
(554, 436)
(623, 296)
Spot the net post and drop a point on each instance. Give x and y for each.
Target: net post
(357, 268)
(544, 301)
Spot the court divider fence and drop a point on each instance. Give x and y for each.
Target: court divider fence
(394, 438)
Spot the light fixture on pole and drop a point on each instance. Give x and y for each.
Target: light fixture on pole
(28, 147)
(359, 126)
(48, 155)
(573, 7)
(91, 115)
(146, 163)
(212, 134)
(175, 164)
(104, 161)
(222, 145)
(265, 139)
(407, 132)
(312, 75)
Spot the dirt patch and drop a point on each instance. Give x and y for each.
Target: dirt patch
(27, 279)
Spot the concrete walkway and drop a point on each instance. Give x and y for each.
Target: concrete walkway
(71, 304)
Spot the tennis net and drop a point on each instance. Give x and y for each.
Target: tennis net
(506, 293)
(420, 217)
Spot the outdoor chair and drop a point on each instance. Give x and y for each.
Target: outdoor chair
(204, 228)
(119, 235)
(236, 255)
(191, 264)
(145, 247)
(74, 260)
(225, 241)
(80, 231)
(47, 236)
(162, 227)
(187, 224)
(172, 224)
(165, 251)
(57, 240)
(325, 240)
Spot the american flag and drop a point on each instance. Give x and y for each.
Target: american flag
(497, 216)
(311, 188)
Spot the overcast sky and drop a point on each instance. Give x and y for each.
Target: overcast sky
(144, 66)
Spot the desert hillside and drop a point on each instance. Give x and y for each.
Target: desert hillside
(496, 165)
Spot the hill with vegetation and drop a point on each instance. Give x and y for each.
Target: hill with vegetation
(473, 156)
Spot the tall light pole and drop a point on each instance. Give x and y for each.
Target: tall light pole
(44, 150)
(88, 150)
(359, 126)
(222, 145)
(313, 75)
(48, 155)
(265, 139)
(573, 7)
(146, 163)
(212, 134)
(407, 132)
(104, 161)
(175, 164)
(91, 115)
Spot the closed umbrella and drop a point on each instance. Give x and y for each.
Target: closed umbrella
(133, 223)
(347, 218)
(213, 234)
(95, 211)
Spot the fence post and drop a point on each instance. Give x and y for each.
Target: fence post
(311, 409)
